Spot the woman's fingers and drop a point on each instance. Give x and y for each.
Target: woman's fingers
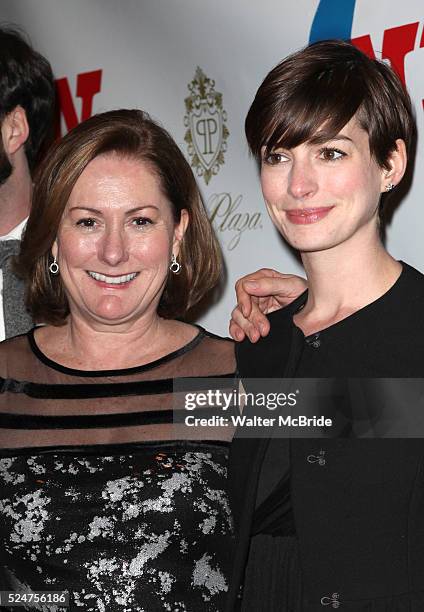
(278, 290)
(246, 284)
(254, 327)
(259, 294)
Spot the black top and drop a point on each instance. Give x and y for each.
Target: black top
(357, 504)
(101, 494)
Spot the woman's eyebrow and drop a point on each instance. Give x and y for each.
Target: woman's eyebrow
(341, 137)
(137, 208)
(85, 208)
(322, 138)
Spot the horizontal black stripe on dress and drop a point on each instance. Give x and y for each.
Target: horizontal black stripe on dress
(86, 421)
(92, 391)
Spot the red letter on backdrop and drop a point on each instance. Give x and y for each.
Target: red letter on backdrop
(88, 85)
(422, 45)
(397, 43)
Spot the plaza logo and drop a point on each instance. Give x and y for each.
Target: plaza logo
(230, 220)
(205, 119)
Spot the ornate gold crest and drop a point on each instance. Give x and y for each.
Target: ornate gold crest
(205, 119)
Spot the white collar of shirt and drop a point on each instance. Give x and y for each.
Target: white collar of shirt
(16, 232)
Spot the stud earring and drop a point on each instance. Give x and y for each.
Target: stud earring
(54, 267)
(174, 266)
(389, 187)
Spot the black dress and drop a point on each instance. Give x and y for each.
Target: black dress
(333, 523)
(100, 495)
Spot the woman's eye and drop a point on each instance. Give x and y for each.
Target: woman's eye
(86, 222)
(273, 159)
(330, 154)
(142, 221)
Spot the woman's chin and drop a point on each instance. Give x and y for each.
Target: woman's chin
(310, 244)
(111, 310)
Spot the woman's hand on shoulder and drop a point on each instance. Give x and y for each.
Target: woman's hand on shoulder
(258, 294)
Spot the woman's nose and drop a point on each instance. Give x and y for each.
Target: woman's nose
(113, 248)
(302, 180)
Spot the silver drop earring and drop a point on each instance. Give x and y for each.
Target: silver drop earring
(174, 266)
(54, 267)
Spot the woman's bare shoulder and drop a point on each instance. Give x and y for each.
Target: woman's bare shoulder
(215, 354)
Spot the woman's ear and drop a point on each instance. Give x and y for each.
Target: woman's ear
(55, 249)
(180, 230)
(396, 163)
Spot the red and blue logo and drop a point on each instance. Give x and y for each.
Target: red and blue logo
(334, 19)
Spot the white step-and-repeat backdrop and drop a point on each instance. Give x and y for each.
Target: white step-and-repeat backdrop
(159, 55)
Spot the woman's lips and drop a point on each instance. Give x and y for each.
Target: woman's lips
(112, 282)
(305, 216)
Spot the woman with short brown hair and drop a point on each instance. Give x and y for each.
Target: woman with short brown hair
(333, 523)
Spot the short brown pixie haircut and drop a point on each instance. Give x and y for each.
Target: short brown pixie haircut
(134, 135)
(311, 95)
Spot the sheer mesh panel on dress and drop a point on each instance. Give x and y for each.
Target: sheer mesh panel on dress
(45, 404)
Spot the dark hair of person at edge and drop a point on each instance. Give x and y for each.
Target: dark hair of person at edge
(26, 80)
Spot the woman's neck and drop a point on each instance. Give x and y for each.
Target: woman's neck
(87, 346)
(342, 281)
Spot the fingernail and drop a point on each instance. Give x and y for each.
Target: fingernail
(262, 328)
(251, 284)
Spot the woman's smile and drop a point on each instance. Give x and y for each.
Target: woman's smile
(305, 216)
(113, 281)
